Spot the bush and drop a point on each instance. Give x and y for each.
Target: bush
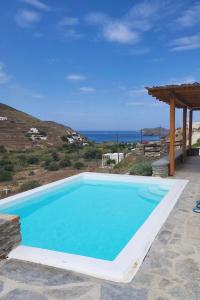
(22, 157)
(46, 163)
(5, 176)
(65, 163)
(29, 185)
(53, 166)
(92, 154)
(55, 156)
(78, 165)
(33, 160)
(142, 168)
(71, 148)
(2, 149)
(111, 162)
(7, 165)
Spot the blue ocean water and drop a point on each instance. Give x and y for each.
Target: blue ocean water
(111, 136)
(89, 218)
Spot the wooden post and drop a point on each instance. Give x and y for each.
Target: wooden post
(172, 136)
(190, 129)
(184, 146)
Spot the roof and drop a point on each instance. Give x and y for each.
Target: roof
(186, 95)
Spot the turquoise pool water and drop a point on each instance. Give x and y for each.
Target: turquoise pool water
(86, 217)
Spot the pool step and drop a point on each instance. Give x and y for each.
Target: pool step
(147, 195)
(157, 191)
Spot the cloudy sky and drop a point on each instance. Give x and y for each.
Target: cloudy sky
(85, 63)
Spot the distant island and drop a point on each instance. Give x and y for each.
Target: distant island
(157, 131)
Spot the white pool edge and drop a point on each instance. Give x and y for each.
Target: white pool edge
(127, 263)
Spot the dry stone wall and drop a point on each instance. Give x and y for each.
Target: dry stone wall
(10, 235)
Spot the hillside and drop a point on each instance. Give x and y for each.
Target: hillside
(19, 130)
(158, 131)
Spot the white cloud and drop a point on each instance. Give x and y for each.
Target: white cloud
(190, 17)
(129, 27)
(141, 103)
(38, 96)
(119, 32)
(27, 18)
(86, 89)
(4, 77)
(69, 21)
(76, 77)
(137, 92)
(186, 80)
(72, 34)
(186, 43)
(37, 4)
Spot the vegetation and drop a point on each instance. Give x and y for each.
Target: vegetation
(32, 160)
(142, 168)
(65, 163)
(16, 167)
(92, 153)
(78, 165)
(110, 162)
(197, 144)
(2, 149)
(53, 166)
(29, 185)
(5, 176)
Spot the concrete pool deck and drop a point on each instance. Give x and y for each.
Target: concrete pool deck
(171, 269)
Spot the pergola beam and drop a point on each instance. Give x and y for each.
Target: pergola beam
(179, 101)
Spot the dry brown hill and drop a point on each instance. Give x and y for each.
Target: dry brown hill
(15, 132)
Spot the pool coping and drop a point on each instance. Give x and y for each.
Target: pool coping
(125, 265)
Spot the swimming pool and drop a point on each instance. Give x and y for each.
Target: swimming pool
(97, 224)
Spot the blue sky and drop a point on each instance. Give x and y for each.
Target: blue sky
(85, 63)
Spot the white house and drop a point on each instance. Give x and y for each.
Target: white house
(70, 140)
(33, 130)
(117, 157)
(3, 118)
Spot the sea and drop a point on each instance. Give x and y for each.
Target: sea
(120, 136)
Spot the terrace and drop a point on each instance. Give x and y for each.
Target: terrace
(171, 270)
(185, 97)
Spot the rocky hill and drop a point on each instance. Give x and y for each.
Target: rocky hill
(19, 130)
(158, 131)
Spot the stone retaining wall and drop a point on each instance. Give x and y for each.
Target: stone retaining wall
(160, 168)
(10, 235)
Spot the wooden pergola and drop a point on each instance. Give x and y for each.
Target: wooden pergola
(185, 97)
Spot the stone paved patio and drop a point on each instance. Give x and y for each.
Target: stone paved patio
(171, 269)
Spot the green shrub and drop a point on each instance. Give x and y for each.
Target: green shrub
(141, 168)
(55, 156)
(71, 148)
(65, 163)
(32, 160)
(111, 162)
(53, 166)
(46, 163)
(22, 157)
(5, 175)
(29, 185)
(92, 154)
(78, 165)
(7, 165)
(2, 149)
